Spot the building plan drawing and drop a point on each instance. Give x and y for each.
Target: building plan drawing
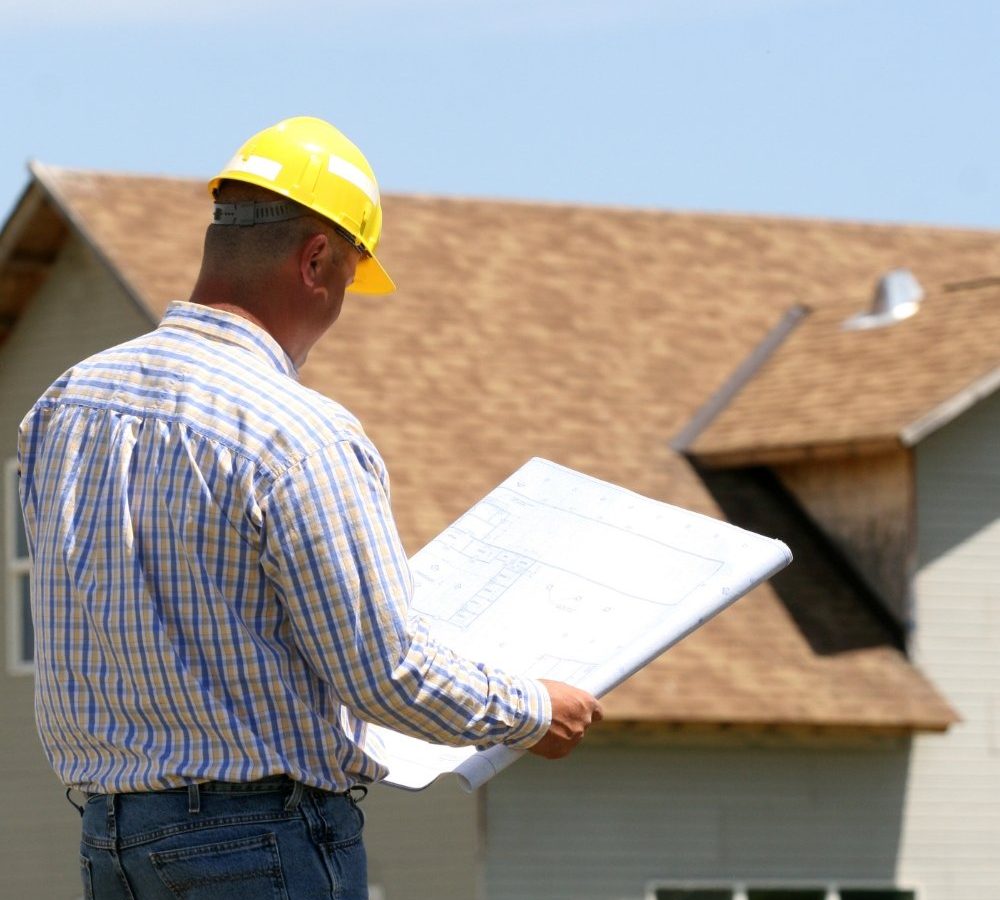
(558, 575)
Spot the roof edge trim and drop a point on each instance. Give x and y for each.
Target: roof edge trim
(23, 212)
(746, 370)
(901, 726)
(794, 453)
(951, 409)
(46, 177)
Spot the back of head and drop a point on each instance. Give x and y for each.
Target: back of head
(248, 256)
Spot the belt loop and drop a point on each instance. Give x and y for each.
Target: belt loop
(109, 806)
(295, 797)
(356, 798)
(194, 799)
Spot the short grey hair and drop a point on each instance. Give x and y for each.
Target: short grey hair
(243, 253)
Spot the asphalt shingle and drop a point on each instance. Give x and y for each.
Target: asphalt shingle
(589, 336)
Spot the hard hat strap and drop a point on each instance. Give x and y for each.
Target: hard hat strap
(251, 212)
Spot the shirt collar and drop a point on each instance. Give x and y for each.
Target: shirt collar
(219, 325)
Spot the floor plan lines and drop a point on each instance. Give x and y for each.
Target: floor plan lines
(558, 575)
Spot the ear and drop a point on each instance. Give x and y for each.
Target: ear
(314, 257)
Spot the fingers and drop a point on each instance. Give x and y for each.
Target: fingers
(553, 747)
(573, 712)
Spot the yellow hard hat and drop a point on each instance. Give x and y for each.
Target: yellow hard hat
(309, 161)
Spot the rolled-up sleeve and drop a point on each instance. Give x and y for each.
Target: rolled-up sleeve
(335, 561)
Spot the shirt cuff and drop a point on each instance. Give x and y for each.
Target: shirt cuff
(535, 713)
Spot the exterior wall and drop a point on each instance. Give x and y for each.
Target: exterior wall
(423, 845)
(78, 311)
(952, 825)
(604, 823)
(865, 506)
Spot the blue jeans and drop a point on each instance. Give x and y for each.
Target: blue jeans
(218, 841)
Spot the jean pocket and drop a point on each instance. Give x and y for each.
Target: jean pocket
(342, 819)
(88, 878)
(347, 863)
(229, 870)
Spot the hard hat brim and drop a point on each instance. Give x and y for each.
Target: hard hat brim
(371, 278)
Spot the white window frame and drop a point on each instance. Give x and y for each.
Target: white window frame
(739, 888)
(15, 567)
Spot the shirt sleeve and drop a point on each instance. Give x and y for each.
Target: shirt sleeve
(333, 555)
(26, 451)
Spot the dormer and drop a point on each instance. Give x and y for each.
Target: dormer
(838, 399)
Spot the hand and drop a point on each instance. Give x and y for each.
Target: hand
(573, 712)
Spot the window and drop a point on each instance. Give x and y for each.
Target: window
(787, 891)
(875, 894)
(787, 894)
(694, 894)
(20, 633)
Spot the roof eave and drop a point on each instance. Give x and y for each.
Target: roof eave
(951, 409)
(46, 177)
(783, 731)
(741, 457)
(907, 436)
(24, 211)
(23, 269)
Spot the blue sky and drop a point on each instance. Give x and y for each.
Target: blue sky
(879, 110)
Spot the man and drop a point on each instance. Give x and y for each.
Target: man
(220, 596)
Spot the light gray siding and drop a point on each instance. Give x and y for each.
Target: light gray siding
(951, 841)
(608, 820)
(78, 311)
(424, 845)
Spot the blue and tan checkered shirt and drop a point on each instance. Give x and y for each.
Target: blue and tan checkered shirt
(219, 591)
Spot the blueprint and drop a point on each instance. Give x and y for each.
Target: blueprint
(558, 575)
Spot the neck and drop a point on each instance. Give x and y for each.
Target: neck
(259, 307)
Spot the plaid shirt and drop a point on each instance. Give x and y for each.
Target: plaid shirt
(219, 591)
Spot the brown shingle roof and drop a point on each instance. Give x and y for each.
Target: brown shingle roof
(588, 336)
(829, 388)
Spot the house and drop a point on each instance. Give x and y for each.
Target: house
(834, 734)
